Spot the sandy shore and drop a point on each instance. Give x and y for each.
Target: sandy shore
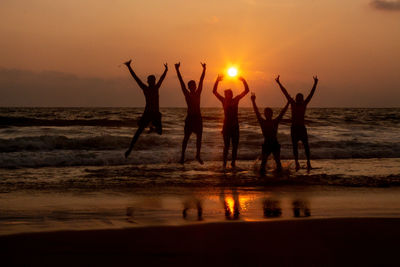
(304, 242)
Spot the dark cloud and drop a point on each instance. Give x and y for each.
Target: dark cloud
(391, 5)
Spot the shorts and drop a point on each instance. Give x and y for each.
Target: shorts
(299, 133)
(151, 117)
(194, 124)
(229, 133)
(271, 147)
(231, 130)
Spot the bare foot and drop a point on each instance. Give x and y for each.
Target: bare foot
(309, 166)
(199, 160)
(224, 166)
(297, 166)
(233, 164)
(127, 153)
(182, 161)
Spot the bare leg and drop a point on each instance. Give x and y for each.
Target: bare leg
(198, 147)
(307, 150)
(296, 154)
(264, 158)
(134, 139)
(227, 140)
(277, 158)
(235, 144)
(295, 140)
(184, 145)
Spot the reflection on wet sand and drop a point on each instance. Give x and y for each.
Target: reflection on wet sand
(271, 208)
(301, 208)
(206, 206)
(231, 205)
(193, 204)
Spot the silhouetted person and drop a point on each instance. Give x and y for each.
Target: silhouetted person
(193, 121)
(269, 128)
(151, 112)
(298, 129)
(230, 130)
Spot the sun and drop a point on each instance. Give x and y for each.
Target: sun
(232, 71)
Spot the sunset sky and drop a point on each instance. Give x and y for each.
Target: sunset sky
(69, 53)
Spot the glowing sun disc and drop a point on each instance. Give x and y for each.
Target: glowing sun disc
(232, 72)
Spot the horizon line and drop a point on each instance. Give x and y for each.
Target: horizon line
(178, 107)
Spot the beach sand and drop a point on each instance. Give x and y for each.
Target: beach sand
(298, 242)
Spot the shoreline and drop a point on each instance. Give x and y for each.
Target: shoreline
(338, 241)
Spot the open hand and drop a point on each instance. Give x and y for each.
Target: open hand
(203, 64)
(277, 79)
(241, 78)
(166, 66)
(220, 77)
(177, 65)
(315, 79)
(253, 97)
(128, 63)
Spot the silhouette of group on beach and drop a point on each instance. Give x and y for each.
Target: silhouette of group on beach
(230, 130)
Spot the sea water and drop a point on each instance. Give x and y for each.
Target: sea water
(64, 165)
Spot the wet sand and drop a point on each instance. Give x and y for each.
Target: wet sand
(300, 242)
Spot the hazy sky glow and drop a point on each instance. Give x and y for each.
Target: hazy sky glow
(69, 53)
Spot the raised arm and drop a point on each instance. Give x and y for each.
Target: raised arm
(312, 90)
(253, 101)
(183, 87)
(246, 89)
(139, 82)
(283, 111)
(158, 85)
(284, 91)
(200, 87)
(220, 97)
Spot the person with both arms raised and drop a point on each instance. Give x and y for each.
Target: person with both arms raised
(269, 128)
(151, 112)
(298, 128)
(230, 130)
(193, 121)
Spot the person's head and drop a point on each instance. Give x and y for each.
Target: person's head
(299, 98)
(268, 113)
(228, 94)
(192, 85)
(151, 80)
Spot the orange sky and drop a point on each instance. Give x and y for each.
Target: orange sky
(351, 45)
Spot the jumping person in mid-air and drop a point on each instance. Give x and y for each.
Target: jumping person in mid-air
(230, 130)
(151, 112)
(269, 128)
(193, 121)
(298, 128)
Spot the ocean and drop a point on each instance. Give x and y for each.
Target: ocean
(64, 165)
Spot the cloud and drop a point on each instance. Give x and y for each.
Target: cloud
(391, 5)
